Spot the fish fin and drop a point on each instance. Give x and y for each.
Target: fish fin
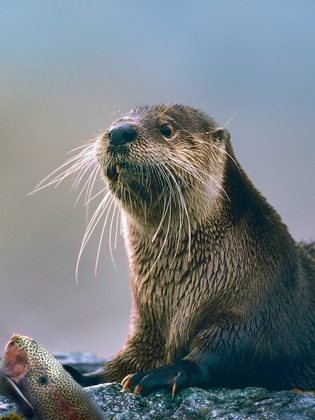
(82, 379)
(13, 390)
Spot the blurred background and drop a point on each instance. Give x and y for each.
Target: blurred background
(68, 68)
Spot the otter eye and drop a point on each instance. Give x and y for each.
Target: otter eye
(167, 130)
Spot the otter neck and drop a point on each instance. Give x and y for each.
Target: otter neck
(174, 246)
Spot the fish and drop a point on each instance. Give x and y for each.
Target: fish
(41, 387)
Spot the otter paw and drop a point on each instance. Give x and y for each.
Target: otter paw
(175, 377)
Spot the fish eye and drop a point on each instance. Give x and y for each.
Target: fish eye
(167, 130)
(43, 380)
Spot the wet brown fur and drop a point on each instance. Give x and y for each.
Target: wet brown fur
(216, 278)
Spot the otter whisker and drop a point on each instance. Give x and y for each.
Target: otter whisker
(84, 159)
(232, 118)
(96, 217)
(193, 171)
(89, 190)
(94, 196)
(210, 185)
(117, 224)
(82, 171)
(202, 142)
(169, 211)
(119, 112)
(180, 205)
(164, 212)
(227, 154)
(169, 107)
(177, 166)
(184, 206)
(92, 224)
(116, 207)
(109, 205)
(89, 182)
(159, 180)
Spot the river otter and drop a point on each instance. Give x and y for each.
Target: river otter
(222, 295)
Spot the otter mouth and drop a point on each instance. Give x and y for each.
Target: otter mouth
(125, 176)
(113, 171)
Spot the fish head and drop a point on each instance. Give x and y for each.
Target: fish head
(14, 366)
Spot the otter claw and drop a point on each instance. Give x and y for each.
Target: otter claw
(174, 389)
(126, 379)
(179, 382)
(137, 390)
(125, 383)
(174, 377)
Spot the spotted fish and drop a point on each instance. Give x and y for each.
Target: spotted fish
(41, 387)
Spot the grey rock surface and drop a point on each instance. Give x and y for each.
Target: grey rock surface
(191, 403)
(194, 403)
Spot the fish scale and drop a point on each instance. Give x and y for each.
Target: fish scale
(41, 387)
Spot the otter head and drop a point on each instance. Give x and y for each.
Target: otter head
(164, 160)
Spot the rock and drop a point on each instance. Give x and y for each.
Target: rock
(191, 403)
(194, 403)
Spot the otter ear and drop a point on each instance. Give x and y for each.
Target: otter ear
(221, 134)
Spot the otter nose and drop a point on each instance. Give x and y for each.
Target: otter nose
(121, 134)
